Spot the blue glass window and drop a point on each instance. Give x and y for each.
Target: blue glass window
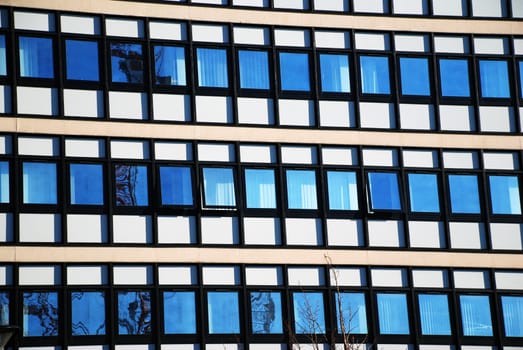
(260, 188)
(266, 313)
(3, 55)
(39, 183)
(4, 182)
(475, 315)
(179, 312)
(309, 312)
(218, 187)
(384, 191)
(354, 313)
(301, 189)
(504, 194)
(86, 184)
(169, 65)
(40, 314)
(512, 315)
(393, 315)
(254, 69)
(294, 71)
(494, 79)
(464, 194)
(434, 314)
(334, 70)
(126, 63)
(343, 190)
(375, 77)
(423, 193)
(176, 185)
(4, 309)
(88, 313)
(134, 313)
(36, 57)
(223, 312)
(81, 58)
(131, 185)
(212, 68)
(521, 79)
(454, 77)
(415, 76)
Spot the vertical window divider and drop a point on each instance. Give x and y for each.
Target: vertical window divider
(394, 78)
(475, 92)
(105, 71)
(314, 81)
(191, 75)
(354, 67)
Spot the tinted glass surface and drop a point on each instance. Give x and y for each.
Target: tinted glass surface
(82, 60)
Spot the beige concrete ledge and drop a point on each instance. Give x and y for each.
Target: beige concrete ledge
(283, 18)
(25, 254)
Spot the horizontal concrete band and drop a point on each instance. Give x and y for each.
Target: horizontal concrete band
(26, 254)
(278, 18)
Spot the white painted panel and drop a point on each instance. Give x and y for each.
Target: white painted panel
(179, 346)
(89, 25)
(251, 35)
(331, 39)
(39, 275)
(488, 8)
(460, 159)
(221, 275)
(251, 3)
(380, 157)
(128, 105)
(6, 144)
(501, 161)
(457, 118)
(348, 276)
(331, 5)
(493, 46)
(216, 152)
(132, 229)
(135, 347)
(417, 116)
(129, 149)
(5, 99)
(477, 347)
(87, 228)
(449, 7)
(292, 37)
(6, 227)
(172, 150)
(471, 279)
(210, 33)
(306, 276)
(88, 347)
(344, 232)
(518, 43)
(264, 231)
(40, 348)
(87, 148)
(388, 277)
(467, 235)
(38, 146)
(426, 234)
(6, 275)
(306, 231)
(214, 109)
(167, 30)
(372, 6)
(395, 347)
(211, 2)
(257, 154)
(506, 236)
(299, 155)
(34, 21)
(435, 347)
(87, 275)
(296, 112)
(39, 227)
(418, 158)
(177, 275)
(224, 346)
(386, 233)
(172, 107)
(37, 100)
(517, 10)
(132, 274)
(372, 41)
(83, 103)
(496, 119)
(131, 28)
(377, 115)
(255, 110)
(508, 280)
(291, 4)
(219, 230)
(176, 229)
(339, 156)
(337, 114)
(451, 44)
(430, 278)
(412, 43)
(263, 276)
(410, 7)
(267, 346)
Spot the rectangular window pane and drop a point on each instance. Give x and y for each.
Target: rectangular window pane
(86, 184)
(521, 79)
(423, 193)
(254, 69)
(179, 312)
(176, 185)
(384, 191)
(464, 195)
(354, 313)
(126, 63)
(494, 79)
(169, 65)
(82, 60)
(309, 313)
(218, 187)
(223, 312)
(260, 189)
(3, 55)
(415, 76)
(134, 313)
(88, 313)
(512, 315)
(343, 190)
(131, 185)
(475, 315)
(301, 189)
(266, 314)
(504, 195)
(393, 315)
(40, 314)
(294, 71)
(434, 314)
(212, 68)
(36, 57)
(374, 72)
(4, 309)
(334, 70)
(39, 183)
(4, 182)
(454, 77)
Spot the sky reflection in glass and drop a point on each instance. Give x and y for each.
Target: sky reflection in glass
(179, 312)
(82, 60)
(294, 71)
(223, 312)
(384, 191)
(423, 193)
(415, 76)
(454, 77)
(504, 194)
(464, 194)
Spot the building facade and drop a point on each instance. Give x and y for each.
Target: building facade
(261, 174)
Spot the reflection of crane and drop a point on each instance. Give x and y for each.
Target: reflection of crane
(130, 62)
(126, 177)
